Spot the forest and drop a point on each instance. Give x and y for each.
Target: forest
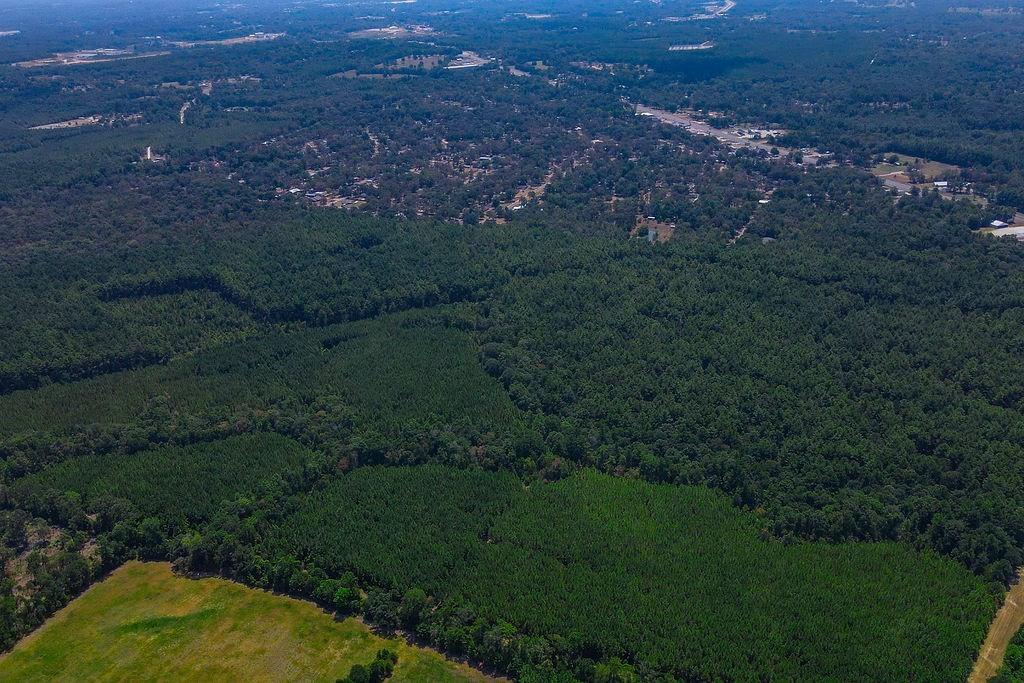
(673, 579)
(741, 368)
(482, 356)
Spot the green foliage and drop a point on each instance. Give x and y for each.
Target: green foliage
(393, 370)
(378, 670)
(673, 579)
(1012, 670)
(48, 582)
(858, 379)
(849, 382)
(175, 484)
(169, 299)
(372, 504)
(63, 333)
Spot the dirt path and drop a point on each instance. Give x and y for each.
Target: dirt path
(742, 231)
(376, 143)
(1008, 619)
(184, 109)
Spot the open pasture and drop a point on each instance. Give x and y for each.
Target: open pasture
(145, 623)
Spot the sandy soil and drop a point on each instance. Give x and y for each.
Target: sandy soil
(1004, 627)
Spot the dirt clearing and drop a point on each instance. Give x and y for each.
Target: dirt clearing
(1004, 627)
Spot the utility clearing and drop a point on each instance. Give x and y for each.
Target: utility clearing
(1004, 627)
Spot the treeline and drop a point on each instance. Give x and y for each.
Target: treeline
(176, 484)
(414, 367)
(314, 272)
(46, 581)
(592, 578)
(461, 558)
(111, 496)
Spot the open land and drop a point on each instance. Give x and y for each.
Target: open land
(738, 137)
(241, 40)
(101, 55)
(205, 629)
(928, 169)
(88, 57)
(395, 32)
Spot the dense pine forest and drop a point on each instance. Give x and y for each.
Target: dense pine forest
(422, 321)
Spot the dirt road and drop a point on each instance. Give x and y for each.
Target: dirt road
(1008, 619)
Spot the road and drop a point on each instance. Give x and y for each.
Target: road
(725, 8)
(1008, 619)
(183, 110)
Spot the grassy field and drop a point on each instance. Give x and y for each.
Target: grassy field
(144, 623)
(928, 168)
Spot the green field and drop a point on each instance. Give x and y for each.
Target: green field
(930, 169)
(675, 578)
(143, 623)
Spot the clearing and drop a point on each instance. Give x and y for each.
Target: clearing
(426, 62)
(468, 60)
(108, 54)
(527, 194)
(145, 623)
(928, 169)
(93, 120)
(184, 110)
(1004, 627)
(352, 73)
(711, 11)
(258, 37)
(394, 32)
(653, 230)
(88, 57)
(750, 137)
(903, 173)
(706, 45)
